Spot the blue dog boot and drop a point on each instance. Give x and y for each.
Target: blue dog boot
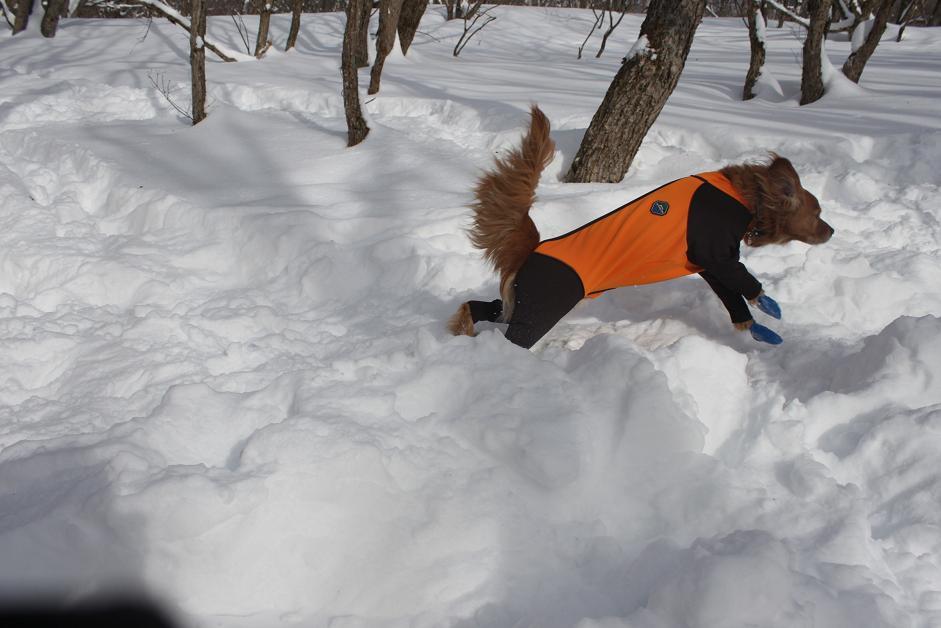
(769, 306)
(763, 334)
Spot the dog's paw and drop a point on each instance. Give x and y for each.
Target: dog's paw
(768, 305)
(763, 334)
(461, 322)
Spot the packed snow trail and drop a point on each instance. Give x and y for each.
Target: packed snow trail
(225, 380)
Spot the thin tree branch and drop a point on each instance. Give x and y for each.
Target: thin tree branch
(243, 31)
(599, 18)
(469, 31)
(165, 87)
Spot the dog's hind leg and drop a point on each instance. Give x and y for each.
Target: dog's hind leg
(545, 291)
(470, 312)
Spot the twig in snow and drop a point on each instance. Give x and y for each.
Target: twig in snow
(611, 25)
(599, 18)
(243, 31)
(143, 38)
(165, 87)
(469, 31)
(428, 35)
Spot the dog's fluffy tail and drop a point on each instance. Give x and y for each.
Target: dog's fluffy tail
(503, 197)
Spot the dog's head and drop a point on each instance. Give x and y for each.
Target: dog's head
(787, 211)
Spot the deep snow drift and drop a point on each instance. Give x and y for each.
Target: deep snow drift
(225, 381)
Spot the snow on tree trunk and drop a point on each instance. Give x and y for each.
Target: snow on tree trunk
(355, 124)
(856, 62)
(389, 12)
(756, 38)
(638, 92)
(50, 18)
(812, 83)
(296, 7)
(412, 12)
(198, 58)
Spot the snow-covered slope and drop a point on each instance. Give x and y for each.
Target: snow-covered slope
(224, 378)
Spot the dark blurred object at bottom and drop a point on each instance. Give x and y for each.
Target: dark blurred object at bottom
(113, 614)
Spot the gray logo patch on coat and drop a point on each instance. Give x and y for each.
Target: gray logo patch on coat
(660, 208)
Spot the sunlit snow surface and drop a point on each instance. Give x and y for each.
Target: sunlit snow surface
(225, 380)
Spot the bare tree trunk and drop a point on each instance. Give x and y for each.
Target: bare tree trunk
(856, 62)
(21, 15)
(355, 124)
(389, 12)
(756, 38)
(639, 91)
(412, 12)
(50, 18)
(361, 45)
(198, 58)
(262, 43)
(812, 87)
(296, 7)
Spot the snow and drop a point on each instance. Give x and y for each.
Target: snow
(859, 34)
(641, 47)
(225, 380)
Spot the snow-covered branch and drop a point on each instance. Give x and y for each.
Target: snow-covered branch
(179, 19)
(803, 21)
(846, 10)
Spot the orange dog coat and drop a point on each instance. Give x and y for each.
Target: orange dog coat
(692, 225)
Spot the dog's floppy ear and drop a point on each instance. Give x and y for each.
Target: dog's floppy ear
(785, 184)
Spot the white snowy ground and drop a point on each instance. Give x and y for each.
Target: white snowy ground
(225, 380)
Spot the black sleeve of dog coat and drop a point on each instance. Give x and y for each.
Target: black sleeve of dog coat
(733, 302)
(717, 223)
(484, 311)
(735, 277)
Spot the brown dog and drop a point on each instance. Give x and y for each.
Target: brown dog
(692, 225)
